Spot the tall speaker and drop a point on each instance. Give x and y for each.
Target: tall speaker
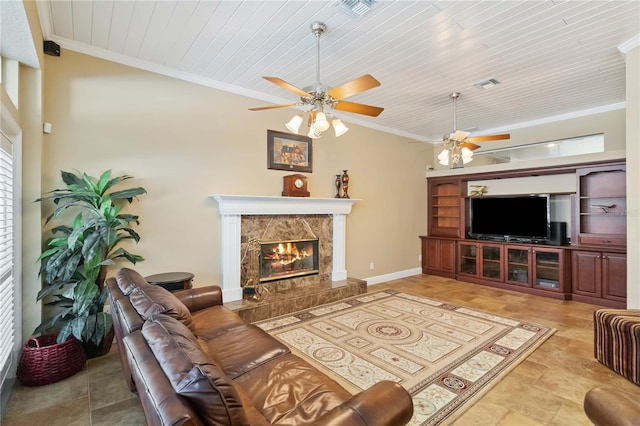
(558, 234)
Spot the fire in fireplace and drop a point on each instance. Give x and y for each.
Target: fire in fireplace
(286, 259)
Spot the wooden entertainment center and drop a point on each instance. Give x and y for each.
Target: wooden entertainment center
(591, 269)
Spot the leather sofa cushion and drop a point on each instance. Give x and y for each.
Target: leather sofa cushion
(174, 346)
(255, 417)
(129, 280)
(243, 348)
(154, 300)
(214, 395)
(129, 318)
(289, 391)
(162, 406)
(215, 320)
(192, 373)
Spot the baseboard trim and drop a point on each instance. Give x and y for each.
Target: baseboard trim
(393, 276)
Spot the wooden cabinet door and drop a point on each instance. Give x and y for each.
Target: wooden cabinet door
(430, 254)
(614, 276)
(549, 269)
(491, 262)
(468, 259)
(518, 265)
(448, 256)
(587, 273)
(438, 256)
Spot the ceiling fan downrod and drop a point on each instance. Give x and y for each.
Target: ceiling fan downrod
(454, 97)
(318, 28)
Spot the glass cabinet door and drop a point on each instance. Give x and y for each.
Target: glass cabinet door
(518, 262)
(468, 259)
(491, 262)
(547, 269)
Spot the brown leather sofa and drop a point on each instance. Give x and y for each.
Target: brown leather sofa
(608, 406)
(194, 362)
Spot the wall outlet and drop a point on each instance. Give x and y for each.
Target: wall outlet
(419, 258)
(371, 266)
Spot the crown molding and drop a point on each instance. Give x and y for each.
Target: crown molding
(191, 78)
(630, 44)
(46, 21)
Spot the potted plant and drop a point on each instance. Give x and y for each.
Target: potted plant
(73, 264)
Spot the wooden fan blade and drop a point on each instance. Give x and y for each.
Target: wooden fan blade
(353, 87)
(471, 146)
(372, 111)
(287, 86)
(271, 107)
(489, 138)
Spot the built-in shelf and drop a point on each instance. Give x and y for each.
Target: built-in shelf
(591, 269)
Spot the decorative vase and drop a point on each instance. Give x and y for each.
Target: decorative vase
(345, 184)
(338, 184)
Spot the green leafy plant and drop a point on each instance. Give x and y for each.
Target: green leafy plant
(73, 265)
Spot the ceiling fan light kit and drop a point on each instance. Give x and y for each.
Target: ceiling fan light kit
(458, 146)
(294, 124)
(339, 127)
(323, 99)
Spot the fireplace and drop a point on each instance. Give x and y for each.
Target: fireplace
(288, 259)
(247, 218)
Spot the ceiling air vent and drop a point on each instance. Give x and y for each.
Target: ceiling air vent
(356, 8)
(487, 84)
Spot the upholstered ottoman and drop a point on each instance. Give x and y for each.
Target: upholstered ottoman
(617, 341)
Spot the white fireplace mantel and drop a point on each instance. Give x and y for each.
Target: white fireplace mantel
(232, 207)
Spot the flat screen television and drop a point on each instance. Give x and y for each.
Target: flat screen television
(510, 217)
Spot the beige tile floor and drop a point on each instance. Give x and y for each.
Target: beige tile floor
(546, 389)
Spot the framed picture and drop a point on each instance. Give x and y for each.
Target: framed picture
(290, 152)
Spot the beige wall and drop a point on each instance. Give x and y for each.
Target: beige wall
(633, 178)
(183, 142)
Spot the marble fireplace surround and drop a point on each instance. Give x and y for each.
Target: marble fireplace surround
(233, 207)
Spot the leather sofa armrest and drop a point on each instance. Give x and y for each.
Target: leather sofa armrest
(610, 406)
(199, 298)
(384, 404)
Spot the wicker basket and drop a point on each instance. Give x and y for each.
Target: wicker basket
(44, 361)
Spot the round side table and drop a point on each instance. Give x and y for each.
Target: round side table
(172, 281)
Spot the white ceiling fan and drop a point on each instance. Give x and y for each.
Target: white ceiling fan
(458, 146)
(323, 99)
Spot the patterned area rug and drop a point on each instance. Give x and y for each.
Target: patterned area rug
(445, 355)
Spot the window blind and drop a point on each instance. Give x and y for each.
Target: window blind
(7, 255)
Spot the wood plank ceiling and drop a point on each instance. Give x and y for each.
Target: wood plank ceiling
(550, 57)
